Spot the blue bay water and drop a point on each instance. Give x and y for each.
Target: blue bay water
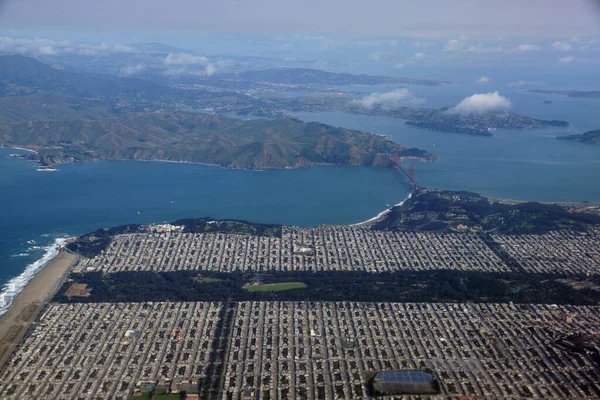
(79, 198)
(531, 165)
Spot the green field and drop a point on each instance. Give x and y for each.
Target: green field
(275, 287)
(174, 396)
(208, 280)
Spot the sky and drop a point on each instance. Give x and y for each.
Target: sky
(357, 17)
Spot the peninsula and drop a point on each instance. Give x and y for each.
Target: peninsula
(201, 138)
(589, 137)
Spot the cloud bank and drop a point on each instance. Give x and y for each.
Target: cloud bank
(132, 69)
(566, 60)
(481, 103)
(411, 60)
(184, 59)
(522, 83)
(457, 45)
(389, 100)
(47, 47)
(561, 46)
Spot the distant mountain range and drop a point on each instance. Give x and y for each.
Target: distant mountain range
(100, 116)
(190, 137)
(307, 76)
(21, 75)
(589, 137)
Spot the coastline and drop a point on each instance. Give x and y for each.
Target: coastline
(382, 214)
(30, 300)
(18, 148)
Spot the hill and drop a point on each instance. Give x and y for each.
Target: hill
(21, 75)
(589, 137)
(307, 76)
(452, 211)
(190, 137)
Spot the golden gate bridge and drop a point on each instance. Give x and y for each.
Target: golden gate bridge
(410, 172)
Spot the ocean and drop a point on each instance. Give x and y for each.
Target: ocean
(40, 209)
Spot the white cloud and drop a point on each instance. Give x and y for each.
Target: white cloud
(47, 50)
(131, 69)
(210, 69)
(421, 45)
(522, 83)
(574, 39)
(566, 60)
(47, 47)
(483, 79)
(411, 60)
(454, 45)
(561, 46)
(481, 103)
(523, 48)
(184, 59)
(484, 49)
(389, 100)
(376, 56)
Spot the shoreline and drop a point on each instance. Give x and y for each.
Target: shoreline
(315, 164)
(19, 148)
(382, 214)
(24, 308)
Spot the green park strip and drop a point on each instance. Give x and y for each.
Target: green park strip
(275, 287)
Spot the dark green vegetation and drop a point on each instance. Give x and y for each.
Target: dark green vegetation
(590, 94)
(406, 286)
(450, 211)
(205, 225)
(53, 106)
(190, 137)
(308, 76)
(589, 137)
(92, 244)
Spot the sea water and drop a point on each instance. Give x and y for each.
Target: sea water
(39, 208)
(531, 165)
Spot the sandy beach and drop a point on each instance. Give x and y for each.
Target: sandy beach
(25, 307)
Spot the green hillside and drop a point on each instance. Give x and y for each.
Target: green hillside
(191, 137)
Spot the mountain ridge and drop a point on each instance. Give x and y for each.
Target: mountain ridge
(201, 138)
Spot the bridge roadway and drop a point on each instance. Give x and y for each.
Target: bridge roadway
(410, 173)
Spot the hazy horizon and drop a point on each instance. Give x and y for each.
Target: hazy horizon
(378, 17)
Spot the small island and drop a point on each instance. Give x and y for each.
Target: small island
(589, 137)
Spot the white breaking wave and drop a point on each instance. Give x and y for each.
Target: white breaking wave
(20, 255)
(16, 284)
(383, 213)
